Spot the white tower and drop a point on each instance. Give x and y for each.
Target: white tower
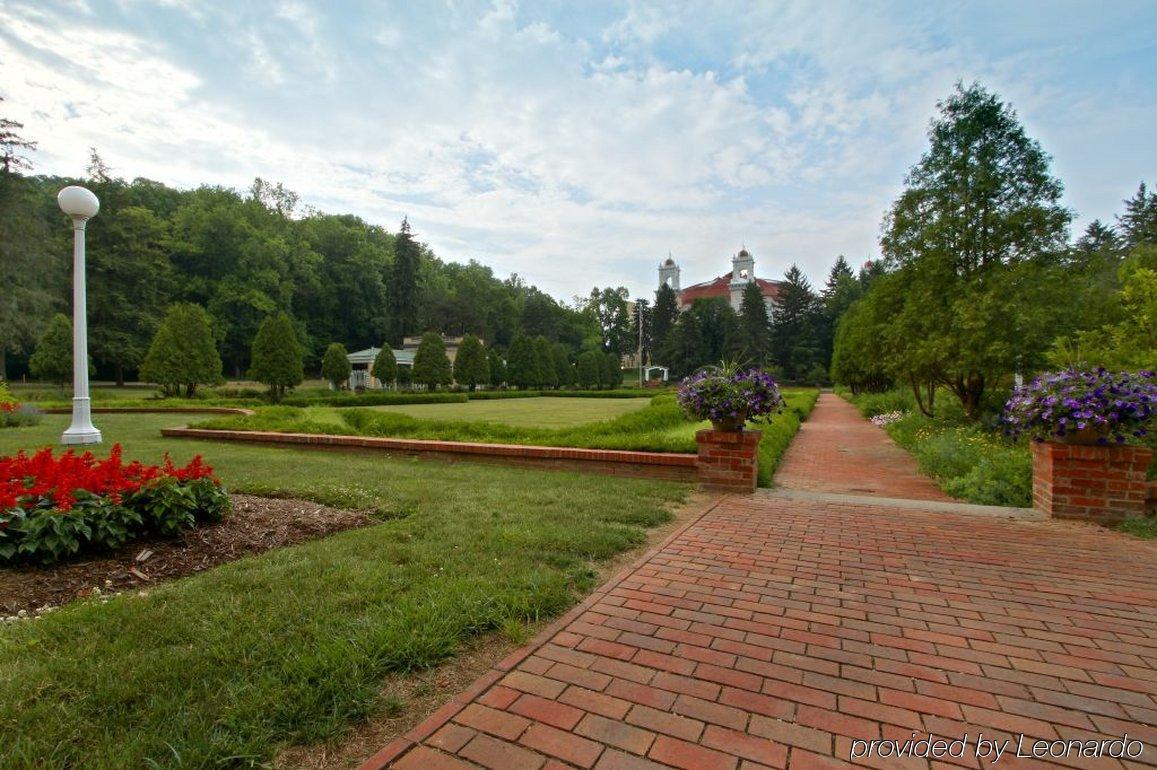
(669, 273)
(742, 273)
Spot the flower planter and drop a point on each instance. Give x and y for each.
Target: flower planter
(1102, 483)
(728, 460)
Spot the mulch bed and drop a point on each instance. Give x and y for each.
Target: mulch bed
(257, 524)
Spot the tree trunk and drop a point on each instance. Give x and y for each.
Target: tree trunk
(916, 385)
(119, 371)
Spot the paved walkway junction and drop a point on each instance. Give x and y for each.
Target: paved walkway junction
(854, 603)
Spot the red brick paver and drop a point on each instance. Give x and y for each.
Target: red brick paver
(776, 632)
(838, 451)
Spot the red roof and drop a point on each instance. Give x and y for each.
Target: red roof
(721, 287)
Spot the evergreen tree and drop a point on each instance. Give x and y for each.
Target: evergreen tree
(563, 370)
(839, 292)
(276, 358)
(663, 318)
(795, 344)
(431, 366)
(32, 262)
(183, 351)
(405, 375)
(385, 367)
(754, 326)
(13, 146)
(544, 361)
(588, 370)
(471, 366)
(335, 365)
(497, 368)
(52, 359)
(612, 372)
(521, 363)
(404, 283)
(1139, 222)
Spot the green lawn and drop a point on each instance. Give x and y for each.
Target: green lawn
(525, 412)
(225, 668)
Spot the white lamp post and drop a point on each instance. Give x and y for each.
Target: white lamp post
(81, 205)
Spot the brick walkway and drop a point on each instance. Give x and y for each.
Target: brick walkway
(838, 451)
(772, 632)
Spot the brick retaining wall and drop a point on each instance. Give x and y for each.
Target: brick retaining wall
(655, 465)
(1105, 484)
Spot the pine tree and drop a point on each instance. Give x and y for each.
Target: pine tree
(183, 351)
(404, 287)
(754, 326)
(544, 360)
(431, 366)
(276, 358)
(521, 363)
(663, 318)
(335, 365)
(497, 368)
(564, 372)
(795, 343)
(385, 367)
(839, 292)
(471, 366)
(1139, 222)
(52, 359)
(588, 369)
(12, 145)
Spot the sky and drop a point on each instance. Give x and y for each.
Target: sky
(578, 143)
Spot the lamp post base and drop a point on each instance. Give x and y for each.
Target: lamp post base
(82, 430)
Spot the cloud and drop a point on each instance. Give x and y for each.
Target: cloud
(571, 150)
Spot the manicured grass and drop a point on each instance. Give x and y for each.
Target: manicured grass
(524, 412)
(658, 427)
(1146, 528)
(225, 668)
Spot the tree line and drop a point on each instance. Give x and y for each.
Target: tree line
(979, 283)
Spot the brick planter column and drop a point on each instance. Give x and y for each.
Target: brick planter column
(727, 460)
(1105, 484)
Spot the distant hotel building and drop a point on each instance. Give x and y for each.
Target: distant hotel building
(728, 286)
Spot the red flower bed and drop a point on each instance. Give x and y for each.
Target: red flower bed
(51, 506)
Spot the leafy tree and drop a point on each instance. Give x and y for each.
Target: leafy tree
(522, 363)
(431, 366)
(663, 317)
(1139, 222)
(612, 371)
(754, 325)
(497, 368)
(32, 275)
(979, 219)
(471, 366)
(588, 369)
(405, 375)
(609, 307)
(276, 358)
(52, 359)
(183, 351)
(404, 284)
(385, 366)
(335, 365)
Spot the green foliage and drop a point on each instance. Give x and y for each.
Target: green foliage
(276, 356)
(563, 370)
(588, 369)
(471, 365)
(663, 318)
(522, 369)
(431, 366)
(609, 307)
(497, 368)
(544, 363)
(754, 327)
(705, 333)
(612, 371)
(404, 284)
(385, 366)
(335, 365)
(52, 359)
(183, 351)
(796, 344)
(973, 239)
